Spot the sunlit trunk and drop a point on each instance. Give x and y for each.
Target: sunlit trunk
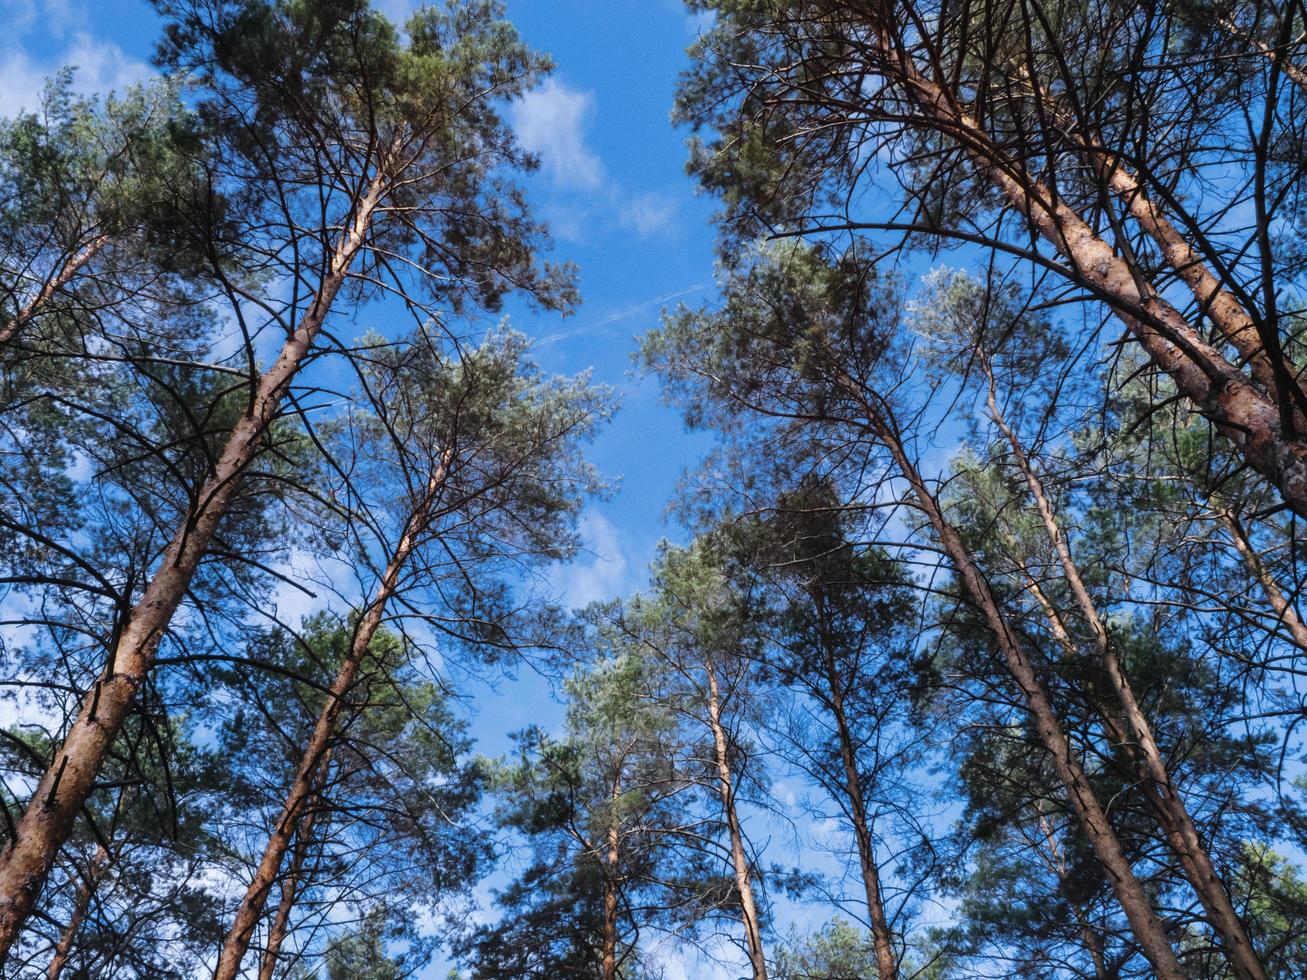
(1249, 418)
(280, 927)
(1080, 795)
(66, 785)
(247, 915)
(52, 285)
(739, 859)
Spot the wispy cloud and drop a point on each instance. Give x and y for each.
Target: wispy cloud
(622, 314)
(101, 67)
(605, 575)
(648, 214)
(550, 122)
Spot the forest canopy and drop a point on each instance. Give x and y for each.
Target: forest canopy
(972, 642)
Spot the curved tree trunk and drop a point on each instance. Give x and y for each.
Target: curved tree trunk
(64, 788)
(1245, 415)
(1262, 352)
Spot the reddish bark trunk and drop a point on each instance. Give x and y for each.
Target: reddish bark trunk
(1093, 820)
(1295, 74)
(247, 915)
(1163, 797)
(1287, 614)
(52, 285)
(64, 788)
(1231, 318)
(1246, 416)
(280, 927)
(55, 283)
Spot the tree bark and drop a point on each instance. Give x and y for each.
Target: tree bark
(81, 903)
(280, 927)
(739, 859)
(302, 787)
(52, 285)
(1163, 797)
(64, 788)
(1093, 820)
(1239, 410)
(1270, 588)
(882, 937)
(1270, 368)
(610, 893)
(1295, 74)
(1056, 860)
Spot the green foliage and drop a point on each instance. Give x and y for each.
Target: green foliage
(838, 951)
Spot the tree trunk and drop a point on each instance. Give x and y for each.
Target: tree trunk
(882, 938)
(1057, 862)
(1295, 74)
(1238, 409)
(82, 902)
(739, 859)
(1274, 596)
(290, 883)
(64, 788)
(610, 894)
(1163, 797)
(1093, 820)
(52, 285)
(1270, 366)
(247, 915)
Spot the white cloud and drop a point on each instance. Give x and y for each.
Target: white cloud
(550, 122)
(101, 66)
(604, 576)
(648, 214)
(20, 16)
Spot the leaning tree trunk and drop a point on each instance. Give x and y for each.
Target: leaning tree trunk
(1275, 598)
(1236, 407)
(1056, 860)
(1257, 343)
(280, 927)
(241, 931)
(67, 784)
(71, 265)
(81, 903)
(1082, 799)
(739, 859)
(1294, 73)
(1164, 799)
